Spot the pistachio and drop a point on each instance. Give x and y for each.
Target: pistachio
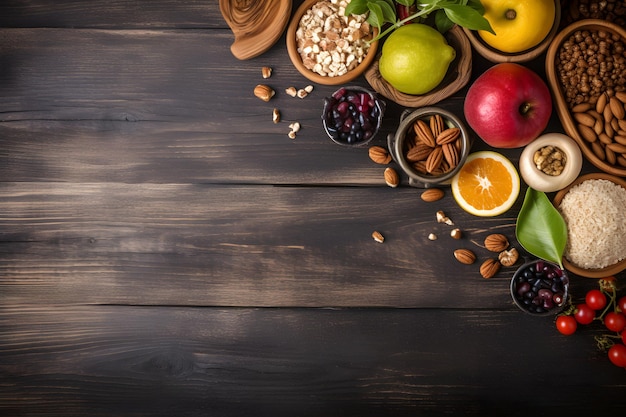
(264, 92)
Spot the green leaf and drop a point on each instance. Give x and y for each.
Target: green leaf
(389, 12)
(467, 17)
(540, 228)
(476, 5)
(356, 7)
(376, 17)
(406, 2)
(442, 21)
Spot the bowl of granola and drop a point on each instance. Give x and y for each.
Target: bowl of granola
(328, 47)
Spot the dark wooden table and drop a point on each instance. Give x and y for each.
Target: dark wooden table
(166, 250)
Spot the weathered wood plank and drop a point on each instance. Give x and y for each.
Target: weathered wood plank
(182, 244)
(129, 361)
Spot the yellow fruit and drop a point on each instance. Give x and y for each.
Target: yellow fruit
(487, 185)
(519, 24)
(415, 58)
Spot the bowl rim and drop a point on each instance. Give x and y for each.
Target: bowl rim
(496, 56)
(296, 60)
(556, 202)
(561, 106)
(551, 312)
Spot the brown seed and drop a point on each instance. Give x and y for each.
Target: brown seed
(419, 152)
(601, 102)
(604, 138)
(391, 177)
(448, 136)
(424, 134)
(432, 194)
(489, 268)
(607, 114)
(496, 242)
(434, 159)
(621, 160)
(617, 108)
(585, 119)
(620, 139)
(436, 124)
(587, 133)
(621, 96)
(379, 155)
(450, 154)
(582, 107)
(456, 233)
(611, 157)
(598, 150)
(378, 237)
(617, 147)
(599, 126)
(465, 256)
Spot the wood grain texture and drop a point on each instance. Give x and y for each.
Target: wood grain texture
(129, 361)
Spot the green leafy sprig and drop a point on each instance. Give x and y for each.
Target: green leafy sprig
(540, 228)
(466, 13)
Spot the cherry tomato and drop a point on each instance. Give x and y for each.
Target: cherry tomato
(624, 336)
(595, 299)
(584, 314)
(621, 303)
(566, 325)
(617, 355)
(615, 322)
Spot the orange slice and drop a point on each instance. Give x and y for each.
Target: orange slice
(487, 185)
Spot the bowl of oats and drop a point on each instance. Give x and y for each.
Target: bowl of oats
(328, 47)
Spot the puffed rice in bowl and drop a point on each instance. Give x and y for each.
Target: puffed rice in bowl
(328, 47)
(593, 209)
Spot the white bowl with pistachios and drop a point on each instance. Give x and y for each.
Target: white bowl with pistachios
(328, 47)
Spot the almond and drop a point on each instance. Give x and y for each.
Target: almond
(391, 177)
(496, 242)
(489, 268)
(598, 150)
(608, 113)
(448, 136)
(611, 157)
(617, 108)
(582, 107)
(379, 155)
(601, 102)
(617, 147)
(585, 119)
(465, 256)
(432, 194)
(424, 134)
(621, 96)
(587, 133)
(434, 160)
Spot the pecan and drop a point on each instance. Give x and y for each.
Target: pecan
(434, 159)
(496, 242)
(448, 136)
(436, 124)
(264, 92)
(418, 152)
(489, 268)
(508, 257)
(379, 155)
(424, 134)
(450, 154)
(378, 237)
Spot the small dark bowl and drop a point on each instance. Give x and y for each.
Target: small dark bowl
(369, 114)
(538, 297)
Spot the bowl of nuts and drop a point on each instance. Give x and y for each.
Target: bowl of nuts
(586, 71)
(431, 145)
(540, 288)
(328, 47)
(352, 116)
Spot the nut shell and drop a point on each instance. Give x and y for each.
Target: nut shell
(496, 242)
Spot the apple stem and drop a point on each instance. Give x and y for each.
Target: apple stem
(524, 108)
(510, 14)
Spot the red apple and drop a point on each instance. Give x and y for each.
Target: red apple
(508, 106)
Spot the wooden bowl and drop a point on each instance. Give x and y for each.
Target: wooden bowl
(296, 59)
(561, 105)
(459, 73)
(256, 25)
(497, 56)
(591, 273)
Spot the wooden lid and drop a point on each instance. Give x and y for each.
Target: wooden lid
(256, 24)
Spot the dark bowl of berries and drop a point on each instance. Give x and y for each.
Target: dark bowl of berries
(540, 288)
(352, 116)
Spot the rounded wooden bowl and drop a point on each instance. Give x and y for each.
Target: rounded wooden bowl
(459, 73)
(591, 273)
(557, 92)
(257, 25)
(292, 50)
(497, 56)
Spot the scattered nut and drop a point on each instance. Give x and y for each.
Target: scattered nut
(264, 92)
(489, 268)
(496, 242)
(432, 236)
(391, 177)
(302, 93)
(379, 155)
(291, 91)
(276, 115)
(508, 257)
(295, 127)
(465, 256)
(432, 194)
(291, 134)
(456, 233)
(266, 72)
(442, 218)
(378, 237)
(308, 89)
